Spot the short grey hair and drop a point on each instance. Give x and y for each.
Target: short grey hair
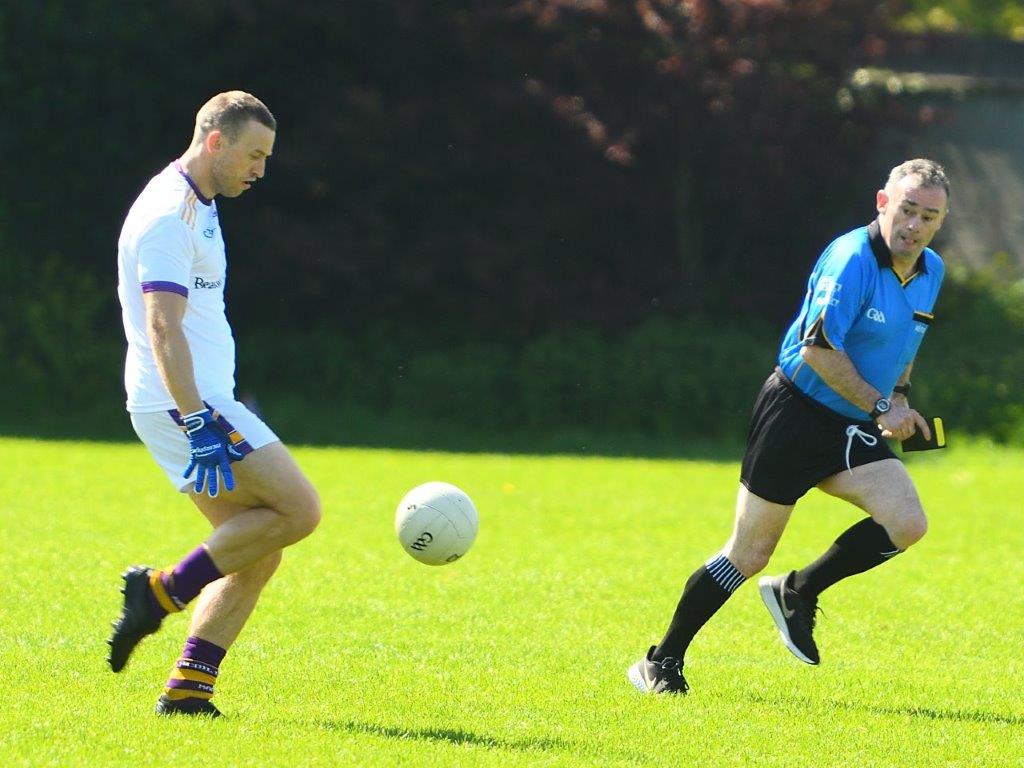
(931, 173)
(228, 113)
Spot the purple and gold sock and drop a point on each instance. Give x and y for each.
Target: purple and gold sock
(196, 671)
(173, 590)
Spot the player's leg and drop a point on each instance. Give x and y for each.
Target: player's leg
(885, 491)
(274, 505)
(224, 606)
(219, 614)
(758, 526)
(278, 506)
(282, 507)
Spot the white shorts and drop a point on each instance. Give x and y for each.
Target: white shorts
(164, 436)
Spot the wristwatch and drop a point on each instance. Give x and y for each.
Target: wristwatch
(882, 405)
(902, 389)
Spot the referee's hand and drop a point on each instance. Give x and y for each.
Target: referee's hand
(901, 422)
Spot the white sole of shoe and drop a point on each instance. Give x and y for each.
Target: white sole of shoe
(636, 678)
(764, 586)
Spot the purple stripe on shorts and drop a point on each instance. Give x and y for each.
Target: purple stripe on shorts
(165, 285)
(242, 446)
(202, 198)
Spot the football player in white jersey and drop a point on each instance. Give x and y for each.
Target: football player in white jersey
(179, 377)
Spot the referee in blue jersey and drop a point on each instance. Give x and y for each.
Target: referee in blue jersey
(842, 383)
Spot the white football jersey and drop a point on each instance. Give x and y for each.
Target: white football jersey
(171, 241)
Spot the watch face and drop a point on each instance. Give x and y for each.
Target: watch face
(883, 406)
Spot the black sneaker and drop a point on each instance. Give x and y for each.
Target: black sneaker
(137, 618)
(793, 615)
(193, 707)
(664, 676)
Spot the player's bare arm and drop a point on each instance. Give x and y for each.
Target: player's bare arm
(164, 313)
(838, 371)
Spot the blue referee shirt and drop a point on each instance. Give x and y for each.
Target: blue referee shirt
(858, 304)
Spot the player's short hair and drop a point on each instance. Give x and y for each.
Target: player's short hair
(931, 173)
(229, 112)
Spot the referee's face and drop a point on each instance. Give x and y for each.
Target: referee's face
(910, 215)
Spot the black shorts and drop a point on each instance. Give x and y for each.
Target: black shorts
(794, 443)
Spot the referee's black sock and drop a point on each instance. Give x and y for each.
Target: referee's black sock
(705, 592)
(860, 547)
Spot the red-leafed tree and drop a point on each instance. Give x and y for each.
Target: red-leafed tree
(738, 112)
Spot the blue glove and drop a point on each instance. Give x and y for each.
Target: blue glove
(209, 449)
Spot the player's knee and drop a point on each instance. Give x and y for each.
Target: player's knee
(259, 573)
(909, 530)
(305, 514)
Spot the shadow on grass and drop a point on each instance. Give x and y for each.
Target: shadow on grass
(447, 735)
(957, 715)
(929, 713)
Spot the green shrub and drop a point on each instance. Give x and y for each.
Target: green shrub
(666, 379)
(471, 385)
(971, 368)
(59, 350)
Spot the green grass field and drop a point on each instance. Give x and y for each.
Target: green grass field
(516, 655)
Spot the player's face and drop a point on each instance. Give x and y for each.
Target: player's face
(910, 215)
(238, 164)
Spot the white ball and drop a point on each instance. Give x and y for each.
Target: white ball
(436, 523)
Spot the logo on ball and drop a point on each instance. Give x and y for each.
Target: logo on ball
(422, 540)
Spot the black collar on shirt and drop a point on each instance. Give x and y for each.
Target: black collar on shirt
(882, 253)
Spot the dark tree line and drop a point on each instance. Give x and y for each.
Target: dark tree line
(550, 213)
(493, 169)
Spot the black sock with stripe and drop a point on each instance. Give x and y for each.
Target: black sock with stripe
(706, 591)
(860, 548)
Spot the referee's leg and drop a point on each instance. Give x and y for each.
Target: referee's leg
(759, 525)
(896, 521)
(885, 491)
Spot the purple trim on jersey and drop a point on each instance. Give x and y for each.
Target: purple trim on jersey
(164, 285)
(202, 198)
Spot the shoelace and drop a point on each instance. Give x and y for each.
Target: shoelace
(669, 666)
(853, 431)
(806, 610)
(809, 614)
